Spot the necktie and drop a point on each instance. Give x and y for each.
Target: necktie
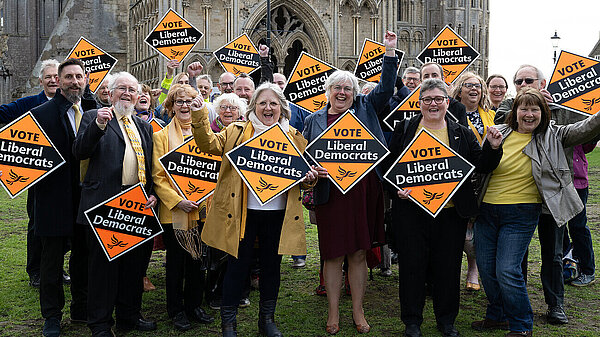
(137, 147)
(77, 116)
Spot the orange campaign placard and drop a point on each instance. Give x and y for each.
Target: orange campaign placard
(575, 83)
(432, 170)
(408, 108)
(269, 164)
(451, 51)
(121, 223)
(98, 63)
(173, 37)
(155, 125)
(348, 150)
(370, 62)
(193, 172)
(27, 155)
(238, 56)
(305, 87)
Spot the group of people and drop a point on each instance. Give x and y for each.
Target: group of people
(523, 180)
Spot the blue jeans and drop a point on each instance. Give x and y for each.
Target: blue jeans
(580, 234)
(502, 235)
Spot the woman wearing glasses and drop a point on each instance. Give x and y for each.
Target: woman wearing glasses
(230, 108)
(498, 86)
(471, 90)
(428, 243)
(185, 277)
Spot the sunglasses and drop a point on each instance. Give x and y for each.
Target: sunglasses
(527, 80)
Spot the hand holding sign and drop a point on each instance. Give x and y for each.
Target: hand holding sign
(390, 40)
(547, 95)
(310, 176)
(187, 205)
(151, 202)
(195, 69)
(171, 66)
(403, 194)
(321, 171)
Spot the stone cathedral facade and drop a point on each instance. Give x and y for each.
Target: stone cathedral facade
(333, 31)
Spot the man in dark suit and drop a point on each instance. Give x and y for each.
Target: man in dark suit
(56, 200)
(108, 137)
(48, 79)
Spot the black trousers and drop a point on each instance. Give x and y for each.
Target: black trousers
(116, 285)
(52, 297)
(34, 242)
(435, 243)
(185, 279)
(551, 246)
(267, 226)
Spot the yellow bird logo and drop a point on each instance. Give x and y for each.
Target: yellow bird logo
(114, 242)
(264, 186)
(15, 178)
(193, 189)
(449, 73)
(590, 103)
(431, 196)
(343, 174)
(319, 104)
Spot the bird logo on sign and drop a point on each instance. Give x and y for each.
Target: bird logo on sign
(431, 196)
(590, 103)
(449, 73)
(114, 242)
(15, 178)
(193, 189)
(264, 186)
(344, 173)
(318, 103)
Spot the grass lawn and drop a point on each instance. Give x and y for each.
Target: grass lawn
(300, 312)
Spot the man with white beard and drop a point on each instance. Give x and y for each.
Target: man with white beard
(118, 145)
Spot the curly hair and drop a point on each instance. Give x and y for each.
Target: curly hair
(175, 91)
(484, 101)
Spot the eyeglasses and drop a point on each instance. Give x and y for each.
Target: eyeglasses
(230, 107)
(411, 79)
(182, 102)
(340, 88)
(227, 84)
(498, 87)
(472, 85)
(528, 80)
(263, 104)
(436, 99)
(129, 90)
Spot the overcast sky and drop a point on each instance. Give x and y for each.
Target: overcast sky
(520, 32)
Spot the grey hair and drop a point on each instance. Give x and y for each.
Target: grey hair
(234, 100)
(205, 77)
(540, 74)
(285, 107)
(223, 75)
(411, 70)
(112, 84)
(437, 64)
(341, 76)
(433, 83)
(47, 64)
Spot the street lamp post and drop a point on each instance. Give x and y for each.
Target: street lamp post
(555, 40)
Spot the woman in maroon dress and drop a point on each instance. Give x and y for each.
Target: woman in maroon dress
(350, 224)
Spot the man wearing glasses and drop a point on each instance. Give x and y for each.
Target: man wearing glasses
(550, 235)
(226, 83)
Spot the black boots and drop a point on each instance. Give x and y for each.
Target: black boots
(228, 322)
(266, 322)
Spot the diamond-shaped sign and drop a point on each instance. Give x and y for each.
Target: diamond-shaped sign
(173, 36)
(269, 163)
(370, 62)
(451, 51)
(306, 84)
(155, 125)
(27, 155)
(405, 110)
(239, 56)
(193, 172)
(348, 150)
(121, 223)
(97, 62)
(575, 83)
(432, 170)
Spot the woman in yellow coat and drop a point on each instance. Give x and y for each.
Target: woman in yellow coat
(471, 90)
(185, 276)
(236, 218)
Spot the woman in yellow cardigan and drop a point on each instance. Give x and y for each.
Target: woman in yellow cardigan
(471, 90)
(236, 218)
(180, 218)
